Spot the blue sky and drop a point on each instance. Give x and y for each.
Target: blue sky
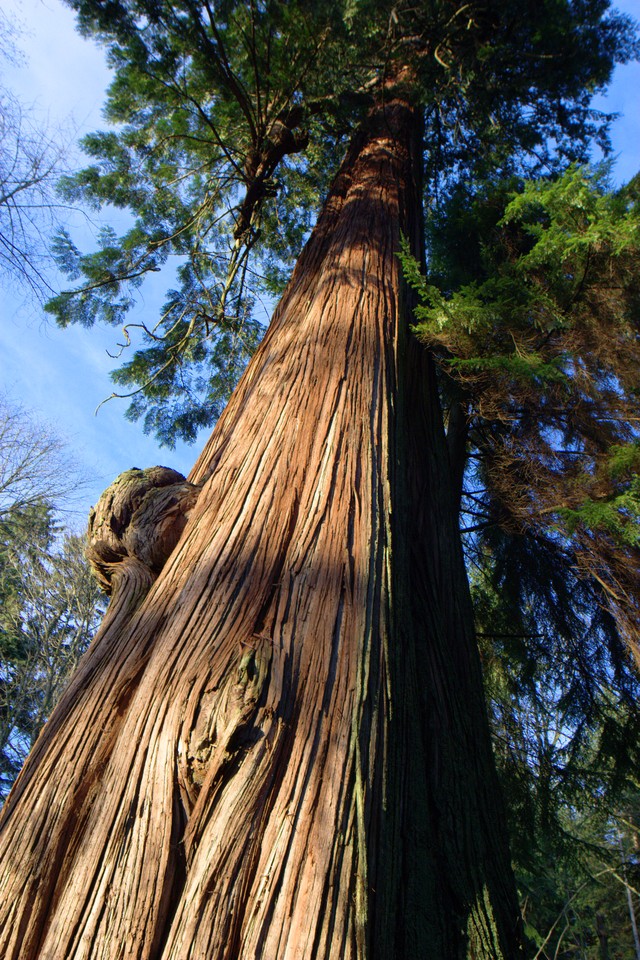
(63, 375)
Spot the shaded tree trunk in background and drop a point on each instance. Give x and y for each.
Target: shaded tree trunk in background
(603, 939)
(282, 751)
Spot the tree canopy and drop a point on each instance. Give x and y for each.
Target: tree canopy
(537, 334)
(228, 120)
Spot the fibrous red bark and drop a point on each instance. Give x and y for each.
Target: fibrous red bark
(281, 751)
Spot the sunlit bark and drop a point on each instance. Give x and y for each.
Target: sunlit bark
(282, 750)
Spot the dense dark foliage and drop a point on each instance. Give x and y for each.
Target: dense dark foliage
(534, 322)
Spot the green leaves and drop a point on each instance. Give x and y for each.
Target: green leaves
(49, 604)
(531, 308)
(50, 608)
(208, 105)
(550, 298)
(230, 118)
(536, 328)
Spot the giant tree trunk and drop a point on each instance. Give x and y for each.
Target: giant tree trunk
(281, 749)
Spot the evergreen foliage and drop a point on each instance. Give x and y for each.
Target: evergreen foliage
(228, 120)
(50, 608)
(531, 306)
(49, 604)
(539, 341)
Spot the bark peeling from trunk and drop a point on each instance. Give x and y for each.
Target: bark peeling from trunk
(276, 746)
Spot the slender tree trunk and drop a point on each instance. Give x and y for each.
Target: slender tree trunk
(282, 751)
(603, 937)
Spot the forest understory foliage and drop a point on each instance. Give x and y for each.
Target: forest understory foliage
(288, 709)
(534, 330)
(50, 605)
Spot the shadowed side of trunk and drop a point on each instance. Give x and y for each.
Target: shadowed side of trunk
(283, 751)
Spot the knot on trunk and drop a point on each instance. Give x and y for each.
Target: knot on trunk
(140, 516)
